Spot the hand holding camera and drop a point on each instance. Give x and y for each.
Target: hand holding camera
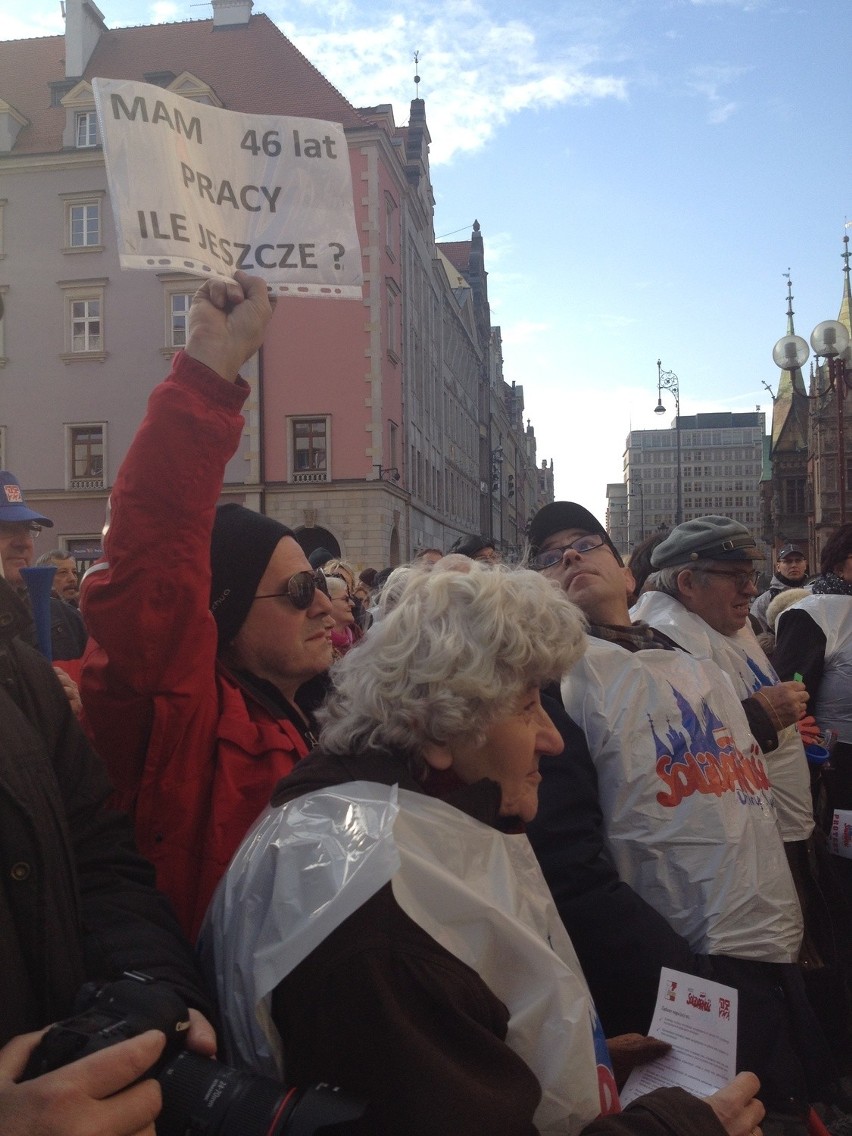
(100, 1093)
(199, 1095)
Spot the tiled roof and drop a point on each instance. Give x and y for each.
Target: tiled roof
(457, 253)
(251, 67)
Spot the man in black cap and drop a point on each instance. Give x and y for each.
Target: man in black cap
(685, 802)
(791, 571)
(19, 529)
(211, 627)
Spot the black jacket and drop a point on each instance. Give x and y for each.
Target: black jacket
(78, 903)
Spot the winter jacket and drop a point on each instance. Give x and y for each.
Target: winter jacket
(193, 754)
(383, 1009)
(78, 903)
(777, 585)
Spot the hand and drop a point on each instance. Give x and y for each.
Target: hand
(201, 1037)
(227, 322)
(808, 729)
(72, 691)
(87, 1096)
(736, 1108)
(786, 702)
(628, 1050)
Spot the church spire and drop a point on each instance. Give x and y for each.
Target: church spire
(786, 409)
(845, 316)
(790, 329)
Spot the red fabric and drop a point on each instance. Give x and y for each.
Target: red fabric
(193, 757)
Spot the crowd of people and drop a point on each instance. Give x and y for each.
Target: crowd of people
(434, 831)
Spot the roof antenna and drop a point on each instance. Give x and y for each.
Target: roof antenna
(416, 76)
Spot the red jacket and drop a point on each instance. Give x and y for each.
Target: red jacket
(194, 757)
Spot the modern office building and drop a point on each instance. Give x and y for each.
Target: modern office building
(717, 460)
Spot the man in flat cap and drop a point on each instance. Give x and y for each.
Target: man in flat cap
(686, 803)
(211, 627)
(703, 580)
(702, 585)
(791, 571)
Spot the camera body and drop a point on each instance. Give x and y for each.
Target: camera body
(201, 1097)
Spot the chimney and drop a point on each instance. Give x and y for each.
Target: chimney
(83, 26)
(231, 13)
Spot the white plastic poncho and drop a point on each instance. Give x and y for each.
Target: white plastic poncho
(833, 702)
(309, 864)
(686, 798)
(744, 662)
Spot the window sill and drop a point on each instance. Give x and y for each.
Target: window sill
(84, 356)
(83, 248)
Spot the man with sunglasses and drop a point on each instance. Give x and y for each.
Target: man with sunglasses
(211, 629)
(682, 805)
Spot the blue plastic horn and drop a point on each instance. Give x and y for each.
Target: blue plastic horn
(39, 582)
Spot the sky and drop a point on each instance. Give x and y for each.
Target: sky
(645, 172)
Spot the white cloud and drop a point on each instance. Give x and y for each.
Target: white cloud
(477, 71)
(163, 11)
(710, 83)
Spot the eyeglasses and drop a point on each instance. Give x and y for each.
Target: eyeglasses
(553, 555)
(301, 589)
(741, 580)
(20, 528)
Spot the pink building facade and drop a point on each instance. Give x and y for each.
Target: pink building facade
(368, 426)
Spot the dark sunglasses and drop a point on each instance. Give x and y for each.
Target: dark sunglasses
(301, 589)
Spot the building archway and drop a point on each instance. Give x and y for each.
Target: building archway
(312, 539)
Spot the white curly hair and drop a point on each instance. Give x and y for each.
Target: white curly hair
(454, 648)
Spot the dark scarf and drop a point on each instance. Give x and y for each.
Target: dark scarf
(634, 637)
(830, 584)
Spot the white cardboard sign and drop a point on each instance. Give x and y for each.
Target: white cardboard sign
(207, 191)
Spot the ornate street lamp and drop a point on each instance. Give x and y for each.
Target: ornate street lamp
(668, 380)
(830, 342)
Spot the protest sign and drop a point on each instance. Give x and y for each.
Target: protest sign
(207, 191)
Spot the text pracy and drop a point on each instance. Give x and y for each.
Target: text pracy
(203, 190)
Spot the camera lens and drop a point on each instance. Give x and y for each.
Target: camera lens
(211, 1099)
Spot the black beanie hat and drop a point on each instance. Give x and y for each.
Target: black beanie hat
(240, 549)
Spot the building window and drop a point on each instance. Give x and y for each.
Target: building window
(86, 456)
(178, 310)
(86, 326)
(177, 292)
(85, 225)
(83, 222)
(794, 495)
(2, 247)
(84, 320)
(4, 288)
(392, 311)
(390, 225)
(86, 129)
(309, 449)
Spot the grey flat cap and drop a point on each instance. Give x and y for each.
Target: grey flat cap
(705, 538)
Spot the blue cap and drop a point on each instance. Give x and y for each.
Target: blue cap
(13, 508)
